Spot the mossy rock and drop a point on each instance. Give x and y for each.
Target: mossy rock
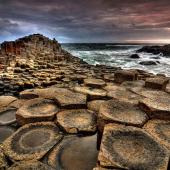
(74, 153)
(32, 141)
(36, 110)
(128, 147)
(77, 121)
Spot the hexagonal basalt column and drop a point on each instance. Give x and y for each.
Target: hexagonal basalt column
(160, 130)
(7, 116)
(157, 107)
(77, 121)
(74, 153)
(32, 141)
(30, 165)
(92, 93)
(96, 83)
(37, 110)
(120, 112)
(127, 147)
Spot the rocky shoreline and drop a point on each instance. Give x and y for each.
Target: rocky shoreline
(53, 105)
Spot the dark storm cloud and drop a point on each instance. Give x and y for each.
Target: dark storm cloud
(86, 21)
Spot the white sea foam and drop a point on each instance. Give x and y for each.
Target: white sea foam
(120, 57)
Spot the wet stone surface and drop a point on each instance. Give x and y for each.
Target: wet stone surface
(32, 141)
(131, 148)
(74, 153)
(7, 116)
(5, 132)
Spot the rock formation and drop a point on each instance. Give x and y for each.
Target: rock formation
(165, 50)
(64, 109)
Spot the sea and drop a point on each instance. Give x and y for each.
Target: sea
(118, 55)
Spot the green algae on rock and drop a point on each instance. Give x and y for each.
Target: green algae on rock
(32, 141)
(77, 121)
(74, 153)
(128, 147)
(160, 130)
(30, 165)
(36, 110)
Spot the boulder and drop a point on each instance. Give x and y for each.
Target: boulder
(74, 153)
(96, 83)
(148, 63)
(125, 75)
(31, 141)
(159, 129)
(135, 56)
(126, 147)
(77, 121)
(156, 83)
(36, 110)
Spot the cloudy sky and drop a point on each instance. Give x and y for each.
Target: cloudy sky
(87, 20)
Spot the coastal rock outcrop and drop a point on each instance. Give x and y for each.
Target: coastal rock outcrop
(165, 50)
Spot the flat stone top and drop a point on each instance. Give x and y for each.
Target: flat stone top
(90, 91)
(128, 147)
(30, 165)
(149, 93)
(123, 94)
(38, 107)
(160, 130)
(74, 153)
(74, 121)
(6, 100)
(157, 104)
(31, 141)
(94, 82)
(7, 116)
(157, 80)
(122, 112)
